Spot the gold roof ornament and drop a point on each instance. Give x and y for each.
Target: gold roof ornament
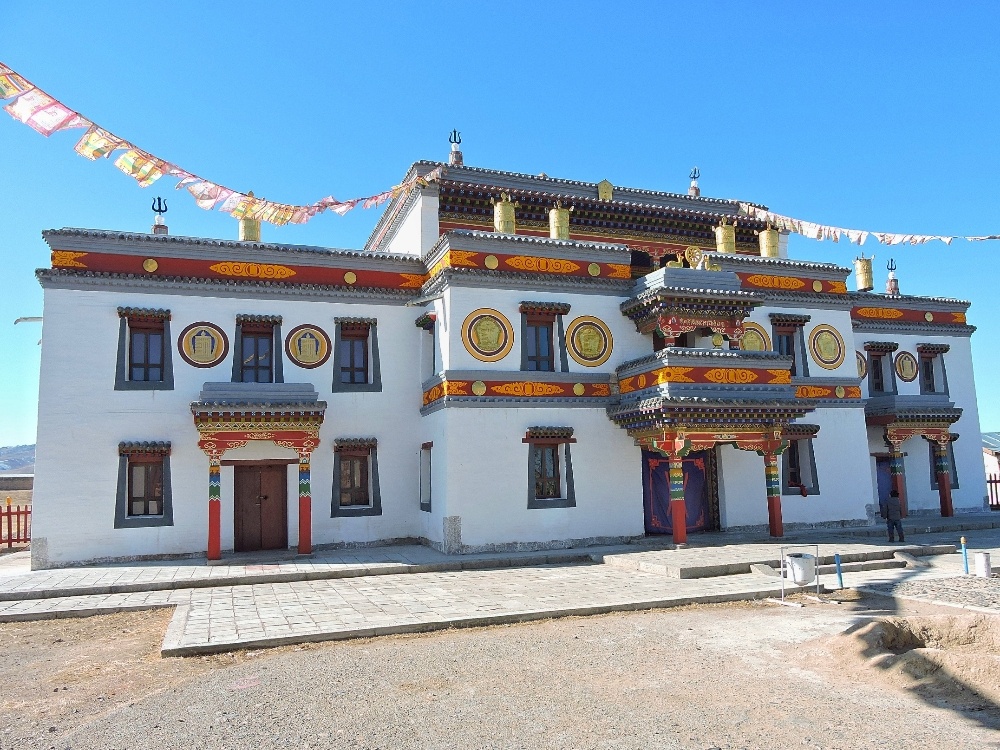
(249, 228)
(559, 221)
(605, 190)
(863, 273)
(503, 214)
(725, 237)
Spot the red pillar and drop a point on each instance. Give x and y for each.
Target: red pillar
(214, 510)
(305, 506)
(942, 467)
(678, 510)
(774, 522)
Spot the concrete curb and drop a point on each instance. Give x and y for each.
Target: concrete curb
(379, 569)
(66, 614)
(172, 643)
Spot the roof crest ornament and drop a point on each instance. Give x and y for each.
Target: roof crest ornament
(455, 157)
(159, 207)
(694, 190)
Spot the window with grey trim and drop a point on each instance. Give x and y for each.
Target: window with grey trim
(788, 337)
(798, 469)
(144, 361)
(143, 497)
(876, 373)
(543, 339)
(355, 478)
(933, 376)
(951, 464)
(550, 468)
(257, 349)
(425, 476)
(356, 364)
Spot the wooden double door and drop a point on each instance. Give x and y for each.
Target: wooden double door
(261, 507)
(701, 499)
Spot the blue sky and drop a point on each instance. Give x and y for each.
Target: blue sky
(875, 116)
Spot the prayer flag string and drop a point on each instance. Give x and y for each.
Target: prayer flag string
(45, 114)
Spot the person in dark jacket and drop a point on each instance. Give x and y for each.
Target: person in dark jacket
(892, 511)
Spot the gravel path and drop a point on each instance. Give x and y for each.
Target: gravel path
(737, 677)
(967, 591)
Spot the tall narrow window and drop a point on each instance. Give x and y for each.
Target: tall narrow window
(787, 334)
(355, 355)
(550, 467)
(543, 348)
(257, 352)
(144, 361)
(798, 465)
(143, 485)
(547, 483)
(933, 378)
(876, 374)
(425, 476)
(355, 478)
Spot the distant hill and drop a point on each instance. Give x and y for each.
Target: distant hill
(17, 459)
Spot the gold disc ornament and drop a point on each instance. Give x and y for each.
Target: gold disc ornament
(308, 346)
(487, 334)
(827, 346)
(755, 338)
(203, 344)
(589, 341)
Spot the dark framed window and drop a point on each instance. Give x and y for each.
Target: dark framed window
(425, 476)
(876, 373)
(257, 353)
(951, 464)
(144, 497)
(353, 358)
(539, 355)
(145, 486)
(784, 343)
(927, 375)
(547, 482)
(355, 478)
(550, 467)
(144, 356)
(257, 349)
(798, 468)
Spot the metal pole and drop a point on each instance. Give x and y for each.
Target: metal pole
(840, 572)
(965, 556)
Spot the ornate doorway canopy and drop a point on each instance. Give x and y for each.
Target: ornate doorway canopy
(674, 310)
(230, 415)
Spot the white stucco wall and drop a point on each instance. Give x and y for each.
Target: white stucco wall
(488, 477)
(82, 419)
(418, 230)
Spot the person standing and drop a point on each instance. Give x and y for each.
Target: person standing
(892, 511)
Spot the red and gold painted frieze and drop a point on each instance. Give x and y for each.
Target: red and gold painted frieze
(515, 389)
(680, 442)
(903, 315)
(828, 391)
(237, 270)
(714, 375)
(216, 442)
(526, 263)
(791, 283)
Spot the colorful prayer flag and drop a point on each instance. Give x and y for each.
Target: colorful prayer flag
(144, 168)
(98, 142)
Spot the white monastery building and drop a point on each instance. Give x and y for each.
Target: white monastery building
(511, 362)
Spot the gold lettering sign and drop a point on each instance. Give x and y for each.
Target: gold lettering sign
(308, 346)
(252, 270)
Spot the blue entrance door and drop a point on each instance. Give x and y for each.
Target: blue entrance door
(656, 492)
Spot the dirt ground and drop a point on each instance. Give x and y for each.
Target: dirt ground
(752, 675)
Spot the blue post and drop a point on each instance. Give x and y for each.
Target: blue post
(840, 573)
(965, 556)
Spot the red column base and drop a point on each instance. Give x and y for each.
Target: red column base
(214, 530)
(678, 518)
(305, 525)
(774, 522)
(944, 494)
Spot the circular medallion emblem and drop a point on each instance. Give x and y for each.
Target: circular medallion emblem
(929, 317)
(307, 346)
(589, 341)
(827, 346)
(203, 344)
(150, 265)
(479, 388)
(594, 270)
(862, 364)
(487, 335)
(817, 286)
(906, 367)
(491, 262)
(755, 338)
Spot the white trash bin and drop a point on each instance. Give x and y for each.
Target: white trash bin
(983, 569)
(802, 567)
